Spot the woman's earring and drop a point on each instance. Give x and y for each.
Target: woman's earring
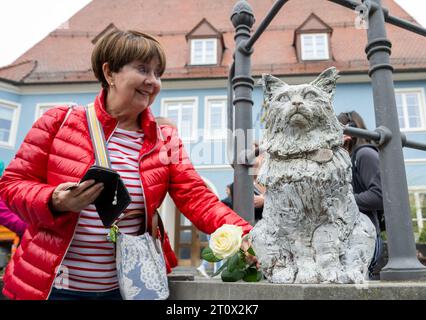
(112, 85)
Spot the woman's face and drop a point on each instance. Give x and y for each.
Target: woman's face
(136, 85)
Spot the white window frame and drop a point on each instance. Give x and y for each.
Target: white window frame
(315, 55)
(16, 107)
(179, 100)
(422, 106)
(49, 105)
(414, 190)
(203, 59)
(207, 113)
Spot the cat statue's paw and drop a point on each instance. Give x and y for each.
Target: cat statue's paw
(282, 275)
(306, 275)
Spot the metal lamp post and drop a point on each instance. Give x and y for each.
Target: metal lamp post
(242, 83)
(403, 263)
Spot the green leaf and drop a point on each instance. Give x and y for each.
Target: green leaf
(208, 255)
(233, 262)
(232, 276)
(251, 251)
(252, 275)
(242, 264)
(222, 267)
(113, 231)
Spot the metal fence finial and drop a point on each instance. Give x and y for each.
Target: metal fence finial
(242, 14)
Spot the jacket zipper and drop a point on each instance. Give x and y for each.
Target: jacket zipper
(75, 229)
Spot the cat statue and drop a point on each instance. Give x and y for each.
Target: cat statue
(311, 230)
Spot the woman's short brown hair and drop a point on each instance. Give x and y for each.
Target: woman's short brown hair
(119, 48)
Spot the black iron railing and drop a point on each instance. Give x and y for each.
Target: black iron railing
(403, 263)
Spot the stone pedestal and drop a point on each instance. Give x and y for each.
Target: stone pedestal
(186, 286)
(215, 289)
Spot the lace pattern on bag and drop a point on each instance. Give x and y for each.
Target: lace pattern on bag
(141, 270)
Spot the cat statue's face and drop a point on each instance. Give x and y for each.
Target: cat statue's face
(300, 118)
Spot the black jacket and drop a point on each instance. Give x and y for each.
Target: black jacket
(366, 182)
(229, 202)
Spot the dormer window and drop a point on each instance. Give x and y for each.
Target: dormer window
(315, 46)
(203, 51)
(205, 44)
(312, 40)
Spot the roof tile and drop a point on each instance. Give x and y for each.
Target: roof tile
(64, 55)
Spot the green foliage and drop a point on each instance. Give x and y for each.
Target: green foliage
(237, 262)
(252, 275)
(207, 254)
(422, 237)
(242, 264)
(113, 231)
(235, 267)
(234, 276)
(233, 262)
(251, 251)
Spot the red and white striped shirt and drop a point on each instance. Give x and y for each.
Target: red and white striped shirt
(89, 264)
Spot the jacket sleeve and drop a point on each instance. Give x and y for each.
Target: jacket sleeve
(191, 195)
(24, 185)
(369, 173)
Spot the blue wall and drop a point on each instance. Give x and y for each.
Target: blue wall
(6, 154)
(28, 113)
(4, 95)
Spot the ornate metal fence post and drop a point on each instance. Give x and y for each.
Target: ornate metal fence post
(403, 263)
(243, 19)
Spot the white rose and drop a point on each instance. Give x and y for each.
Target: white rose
(226, 241)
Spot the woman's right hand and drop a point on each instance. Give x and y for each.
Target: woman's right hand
(73, 197)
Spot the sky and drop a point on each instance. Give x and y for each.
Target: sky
(23, 23)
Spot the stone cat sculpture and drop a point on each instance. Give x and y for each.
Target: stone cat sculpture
(312, 230)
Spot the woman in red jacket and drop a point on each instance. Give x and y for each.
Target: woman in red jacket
(64, 253)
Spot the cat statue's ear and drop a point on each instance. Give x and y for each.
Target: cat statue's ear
(326, 81)
(270, 85)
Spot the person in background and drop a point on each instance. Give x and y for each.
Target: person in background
(366, 182)
(259, 190)
(163, 121)
(228, 199)
(11, 220)
(65, 254)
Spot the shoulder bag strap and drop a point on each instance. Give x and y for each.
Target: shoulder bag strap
(98, 137)
(70, 109)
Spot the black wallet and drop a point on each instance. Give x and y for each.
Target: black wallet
(114, 198)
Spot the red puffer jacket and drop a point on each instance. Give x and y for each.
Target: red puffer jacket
(52, 154)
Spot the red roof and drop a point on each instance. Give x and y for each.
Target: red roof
(64, 55)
